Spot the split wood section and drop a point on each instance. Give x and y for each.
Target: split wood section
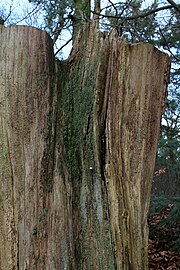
(78, 143)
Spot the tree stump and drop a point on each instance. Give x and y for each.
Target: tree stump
(78, 143)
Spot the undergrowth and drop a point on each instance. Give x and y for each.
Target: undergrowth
(164, 222)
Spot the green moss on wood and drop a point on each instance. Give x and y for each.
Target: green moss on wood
(76, 143)
(43, 217)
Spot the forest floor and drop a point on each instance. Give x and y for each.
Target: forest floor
(164, 238)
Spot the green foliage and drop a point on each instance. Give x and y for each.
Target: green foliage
(63, 15)
(55, 13)
(139, 29)
(166, 228)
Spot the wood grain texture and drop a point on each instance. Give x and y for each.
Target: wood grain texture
(78, 142)
(26, 75)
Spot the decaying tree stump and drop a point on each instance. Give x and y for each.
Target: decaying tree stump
(77, 150)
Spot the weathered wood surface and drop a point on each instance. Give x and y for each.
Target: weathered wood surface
(26, 78)
(77, 150)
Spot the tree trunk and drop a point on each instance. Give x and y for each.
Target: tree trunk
(77, 150)
(81, 15)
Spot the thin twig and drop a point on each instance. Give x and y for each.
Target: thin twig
(106, 7)
(30, 13)
(67, 42)
(10, 10)
(113, 5)
(58, 29)
(168, 48)
(177, 7)
(137, 16)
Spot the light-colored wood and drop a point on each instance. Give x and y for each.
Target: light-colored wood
(26, 76)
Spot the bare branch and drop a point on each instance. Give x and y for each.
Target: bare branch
(177, 7)
(10, 10)
(58, 29)
(168, 48)
(137, 16)
(106, 7)
(67, 42)
(97, 8)
(115, 8)
(125, 7)
(30, 13)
